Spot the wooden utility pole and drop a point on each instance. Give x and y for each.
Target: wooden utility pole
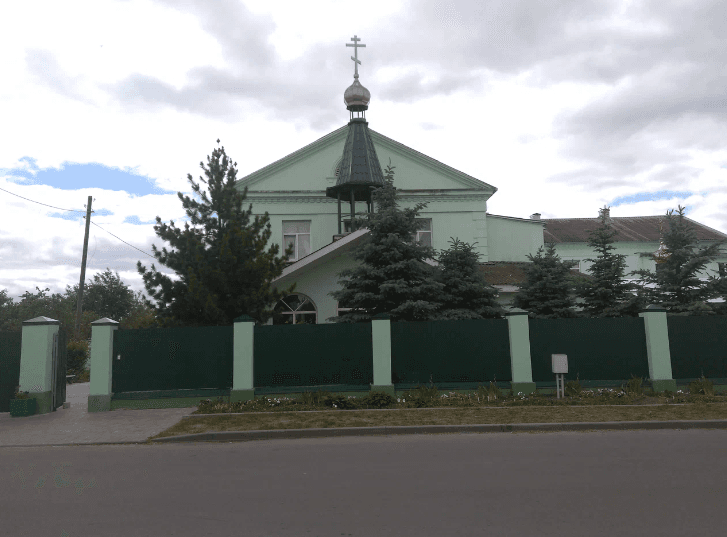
(79, 306)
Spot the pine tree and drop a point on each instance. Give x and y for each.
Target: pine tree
(466, 294)
(678, 288)
(392, 276)
(608, 295)
(223, 267)
(546, 293)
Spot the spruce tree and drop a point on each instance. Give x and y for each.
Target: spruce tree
(678, 288)
(608, 295)
(546, 292)
(223, 267)
(466, 294)
(392, 276)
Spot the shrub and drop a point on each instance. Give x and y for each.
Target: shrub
(339, 401)
(701, 386)
(378, 400)
(573, 387)
(491, 392)
(76, 356)
(633, 386)
(20, 395)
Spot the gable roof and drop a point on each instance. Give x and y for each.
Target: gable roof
(628, 228)
(339, 135)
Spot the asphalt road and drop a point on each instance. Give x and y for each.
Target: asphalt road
(663, 482)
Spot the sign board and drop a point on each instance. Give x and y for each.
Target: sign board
(560, 363)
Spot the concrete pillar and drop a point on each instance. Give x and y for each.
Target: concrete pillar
(36, 361)
(243, 346)
(381, 342)
(657, 349)
(520, 361)
(102, 348)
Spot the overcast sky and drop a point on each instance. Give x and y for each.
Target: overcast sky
(563, 106)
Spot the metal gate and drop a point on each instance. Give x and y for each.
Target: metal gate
(58, 368)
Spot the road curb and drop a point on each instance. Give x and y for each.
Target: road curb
(244, 436)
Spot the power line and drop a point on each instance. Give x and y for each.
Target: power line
(39, 203)
(78, 211)
(142, 251)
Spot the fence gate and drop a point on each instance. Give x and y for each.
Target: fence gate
(58, 368)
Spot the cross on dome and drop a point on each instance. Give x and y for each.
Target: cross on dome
(355, 59)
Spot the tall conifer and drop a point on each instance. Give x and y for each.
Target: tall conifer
(392, 276)
(677, 286)
(223, 267)
(546, 292)
(608, 295)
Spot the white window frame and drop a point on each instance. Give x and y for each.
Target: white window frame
(422, 232)
(293, 313)
(296, 257)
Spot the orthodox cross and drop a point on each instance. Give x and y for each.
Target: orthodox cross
(355, 46)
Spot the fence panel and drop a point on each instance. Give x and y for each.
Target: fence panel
(698, 345)
(597, 349)
(172, 358)
(10, 345)
(313, 355)
(472, 350)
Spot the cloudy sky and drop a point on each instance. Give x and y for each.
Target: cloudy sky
(564, 106)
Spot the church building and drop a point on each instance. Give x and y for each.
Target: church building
(312, 195)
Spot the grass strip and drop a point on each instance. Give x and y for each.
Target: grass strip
(442, 416)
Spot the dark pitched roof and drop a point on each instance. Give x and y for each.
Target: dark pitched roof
(513, 272)
(629, 228)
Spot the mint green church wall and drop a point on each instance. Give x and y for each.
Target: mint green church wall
(460, 219)
(512, 239)
(632, 250)
(317, 282)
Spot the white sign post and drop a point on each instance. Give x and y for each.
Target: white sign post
(560, 366)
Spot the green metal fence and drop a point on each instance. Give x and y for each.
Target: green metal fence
(597, 349)
(465, 351)
(313, 355)
(10, 345)
(698, 345)
(172, 359)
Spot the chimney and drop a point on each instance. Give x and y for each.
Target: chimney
(535, 216)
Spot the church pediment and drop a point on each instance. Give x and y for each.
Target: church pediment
(313, 168)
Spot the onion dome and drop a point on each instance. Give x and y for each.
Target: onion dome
(356, 96)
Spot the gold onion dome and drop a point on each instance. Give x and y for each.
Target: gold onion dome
(356, 96)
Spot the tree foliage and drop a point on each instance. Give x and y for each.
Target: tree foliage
(466, 294)
(546, 291)
(223, 268)
(676, 284)
(608, 295)
(392, 276)
(106, 295)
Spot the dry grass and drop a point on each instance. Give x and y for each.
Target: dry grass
(443, 416)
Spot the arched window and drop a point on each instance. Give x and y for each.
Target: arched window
(295, 309)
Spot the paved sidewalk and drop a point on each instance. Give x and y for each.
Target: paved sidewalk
(75, 425)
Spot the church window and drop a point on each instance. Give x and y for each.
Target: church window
(722, 269)
(295, 309)
(424, 231)
(297, 234)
